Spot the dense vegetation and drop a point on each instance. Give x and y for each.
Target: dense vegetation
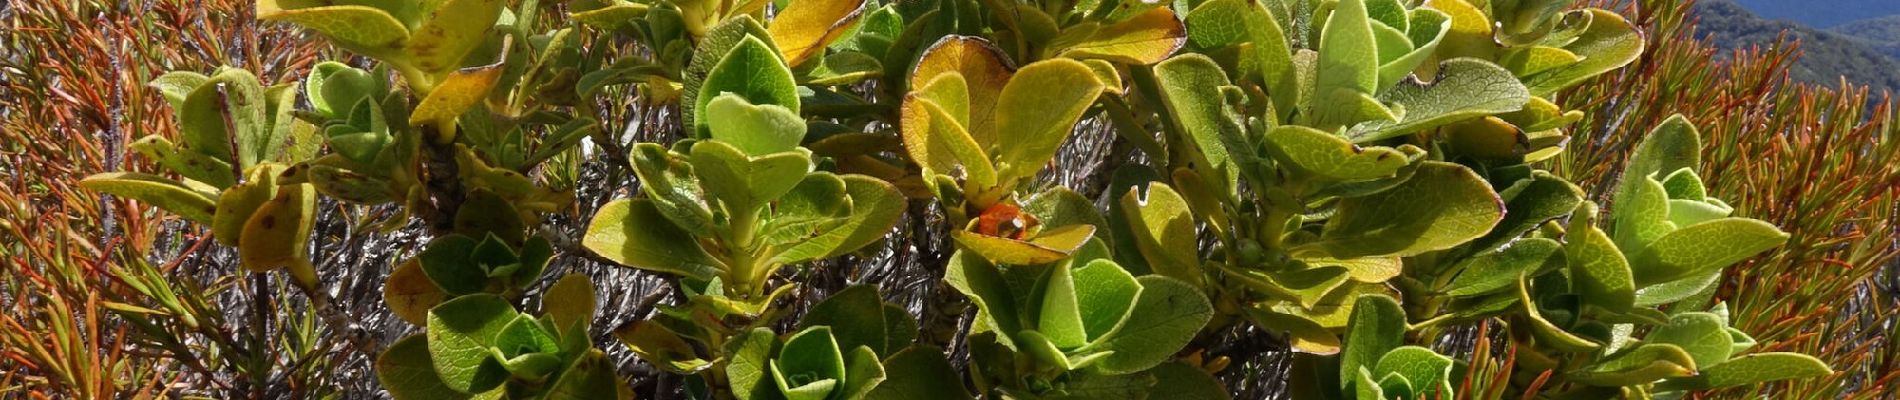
(847, 199)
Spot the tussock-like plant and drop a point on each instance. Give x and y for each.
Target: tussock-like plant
(1358, 178)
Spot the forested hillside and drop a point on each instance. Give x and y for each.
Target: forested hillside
(1822, 13)
(1828, 56)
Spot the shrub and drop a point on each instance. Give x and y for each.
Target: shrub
(1366, 174)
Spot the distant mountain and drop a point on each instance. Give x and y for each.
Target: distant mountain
(1822, 13)
(1881, 33)
(1826, 56)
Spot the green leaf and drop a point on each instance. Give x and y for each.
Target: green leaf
(1429, 373)
(1348, 53)
(1752, 369)
(526, 350)
(1091, 384)
(1146, 38)
(712, 50)
(176, 85)
(1306, 286)
(1493, 271)
(1376, 328)
(805, 27)
(189, 164)
(862, 373)
(1703, 335)
(810, 365)
(816, 206)
(360, 28)
(1166, 315)
(1050, 246)
(224, 114)
(453, 29)
(1677, 290)
(633, 233)
(659, 346)
(1038, 108)
(1191, 86)
(590, 377)
(757, 130)
(461, 332)
(856, 318)
(746, 183)
(1427, 28)
(1602, 276)
(570, 304)
(1545, 331)
(668, 181)
(919, 372)
(1672, 145)
(1465, 89)
(751, 353)
(1529, 204)
(408, 372)
(1709, 246)
(1164, 232)
(1608, 44)
(1060, 317)
(981, 281)
(1185, 382)
(1105, 293)
(1637, 366)
(1442, 206)
(1330, 157)
(875, 208)
(449, 262)
(751, 70)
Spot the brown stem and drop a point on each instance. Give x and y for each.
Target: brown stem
(443, 179)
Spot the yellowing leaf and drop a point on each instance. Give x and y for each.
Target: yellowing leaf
(984, 70)
(454, 29)
(237, 204)
(156, 190)
(1050, 246)
(1038, 109)
(611, 16)
(410, 294)
(1442, 206)
(1144, 39)
(361, 28)
(275, 236)
(462, 89)
(940, 145)
(805, 27)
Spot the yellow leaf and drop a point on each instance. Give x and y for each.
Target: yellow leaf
(275, 236)
(237, 204)
(463, 89)
(806, 26)
(1144, 39)
(410, 293)
(454, 29)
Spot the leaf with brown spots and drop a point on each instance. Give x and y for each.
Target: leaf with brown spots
(275, 236)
